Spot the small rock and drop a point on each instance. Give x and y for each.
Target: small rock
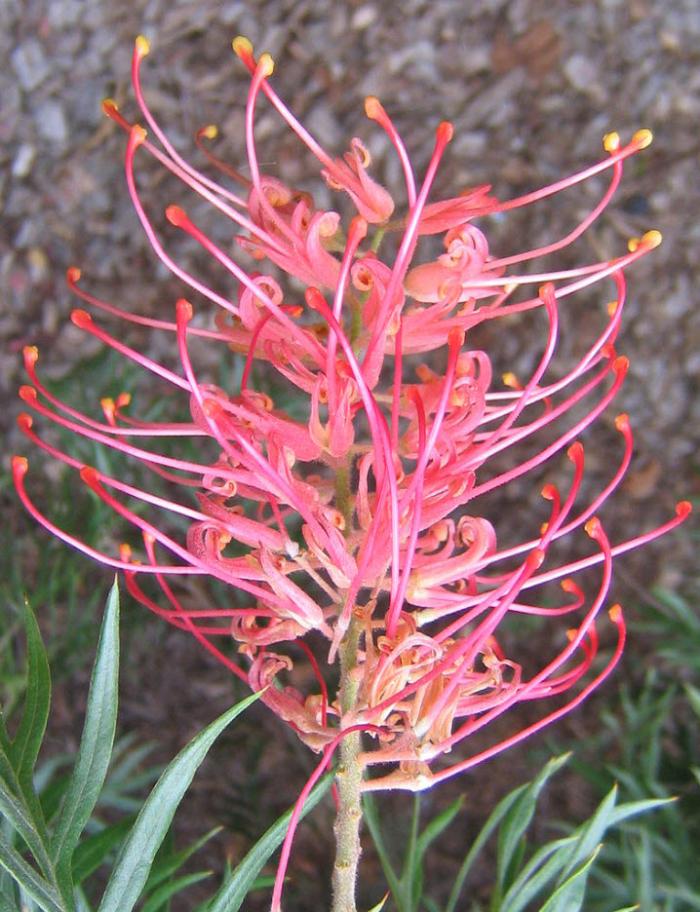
(363, 17)
(51, 122)
(23, 161)
(30, 64)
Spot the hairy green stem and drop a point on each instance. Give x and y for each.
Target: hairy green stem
(349, 780)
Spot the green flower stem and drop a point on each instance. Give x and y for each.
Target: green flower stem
(349, 780)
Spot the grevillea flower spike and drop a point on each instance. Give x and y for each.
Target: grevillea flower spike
(350, 529)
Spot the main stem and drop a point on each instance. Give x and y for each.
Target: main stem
(349, 781)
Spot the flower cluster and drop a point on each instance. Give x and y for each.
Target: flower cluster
(356, 516)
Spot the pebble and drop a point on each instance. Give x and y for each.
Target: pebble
(30, 64)
(23, 161)
(51, 122)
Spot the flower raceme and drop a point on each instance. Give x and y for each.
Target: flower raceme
(358, 512)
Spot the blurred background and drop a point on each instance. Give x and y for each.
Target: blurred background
(531, 87)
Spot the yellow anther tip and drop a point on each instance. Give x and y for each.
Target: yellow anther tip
(143, 45)
(373, 107)
(611, 141)
(509, 379)
(242, 46)
(211, 131)
(267, 64)
(643, 138)
(612, 308)
(109, 103)
(615, 613)
(633, 244)
(652, 238)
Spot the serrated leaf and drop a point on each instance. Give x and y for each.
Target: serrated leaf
(518, 819)
(569, 896)
(230, 896)
(37, 699)
(34, 885)
(159, 898)
(133, 865)
(93, 850)
(96, 742)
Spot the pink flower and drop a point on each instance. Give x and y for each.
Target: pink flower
(363, 505)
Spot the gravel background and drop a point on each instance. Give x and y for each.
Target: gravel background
(531, 87)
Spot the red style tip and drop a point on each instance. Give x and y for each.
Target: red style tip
(125, 552)
(575, 451)
(593, 527)
(568, 585)
(24, 422)
(445, 131)
(73, 275)
(549, 492)
(81, 318)
(31, 356)
(184, 310)
(621, 365)
(20, 465)
(315, 299)
(615, 613)
(137, 135)
(374, 108)
(622, 422)
(89, 475)
(27, 394)
(176, 216)
(684, 508)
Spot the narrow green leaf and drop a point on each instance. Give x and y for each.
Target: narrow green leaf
(93, 850)
(133, 865)
(693, 695)
(411, 871)
(494, 819)
(20, 818)
(157, 902)
(232, 893)
(380, 905)
(590, 834)
(570, 895)
(542, 869)
(96, 741)
(30, 733)
(33, 884)
(171, 863)
(438, 825)
(518, 819)
(371, 817)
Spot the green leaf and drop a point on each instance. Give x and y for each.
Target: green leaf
(96, 742)
(159, 898)
(230, 896)
(693, 695)
(371, 816)
(133, 865)
(518, 819)
(570, 895)
(93, 850)
(494, 819)
(30, 733)
(172, 862)
(438, 825)
(19, 816)
(44, 895)
(380, 905)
